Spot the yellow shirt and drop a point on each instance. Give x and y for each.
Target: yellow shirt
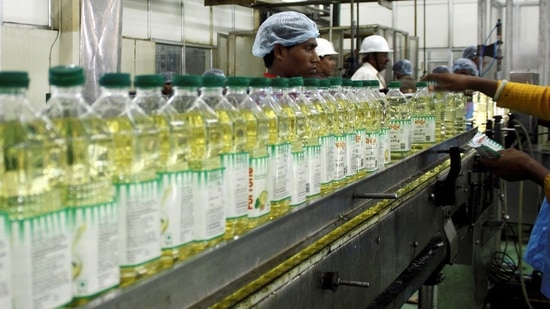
(529, 99)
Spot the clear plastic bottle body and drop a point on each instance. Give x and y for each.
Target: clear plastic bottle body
(32, 163)
(257, 130)
(312, 147)
(363, 116)
(459, 102)
(327, 119)
(340, 137)
(373, 128)
(423, 119)
(296, 176)
(384, 136)
(279, 149)
(399, 116)
(440, 106)
(352, 151)
(234, 159)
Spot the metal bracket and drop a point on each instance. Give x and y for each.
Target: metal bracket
(331, 280)
(444, 190)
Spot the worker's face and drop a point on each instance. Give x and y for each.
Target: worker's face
(379, 61)
(298, 60)
(326, 66)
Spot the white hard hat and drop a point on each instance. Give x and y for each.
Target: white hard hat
(324, 47)
(375, 44)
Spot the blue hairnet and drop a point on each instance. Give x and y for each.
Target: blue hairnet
(214, 72)
(403, 67)
(285, 28)
(441, 69)
(470, 52)
(465, 64)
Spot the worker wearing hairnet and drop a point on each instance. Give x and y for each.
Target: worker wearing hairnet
(441, 69)
(403, 69)
(325, 51)
(214, 72)
(471, 53)
(464, 66)
(376, 49)
(286, 41)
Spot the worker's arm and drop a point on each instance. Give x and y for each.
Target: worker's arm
(515, 165)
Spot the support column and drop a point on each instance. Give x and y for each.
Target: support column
(67, 20)
(544, 42)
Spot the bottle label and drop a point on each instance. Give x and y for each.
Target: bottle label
(209, 213)
(5, 266)
(235, 184)
(279, 158)
(176, 209)
(258, 198)
(41, 254)
(360, 138)
(95, 248)
(351, 154)
(423, 129)
(340, 157)
(139, 222)
(313, 170)
(327, 159)
(400, 135)
(297, 180)
(371, 151)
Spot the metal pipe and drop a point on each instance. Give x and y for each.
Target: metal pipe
(508, 35)
(544, 42)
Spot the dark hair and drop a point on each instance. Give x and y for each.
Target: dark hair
(269, 58)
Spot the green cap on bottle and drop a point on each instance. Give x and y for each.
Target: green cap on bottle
(148, 81)
(279, 82)
(237, 81)
(66, 75)
(311, 82)
(191, 81)
(394, 84)
(259, 82)
(212, 81)
(115, 80)
(9, 79)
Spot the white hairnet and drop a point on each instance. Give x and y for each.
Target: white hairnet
(466, 65)
(403, 67)
(285, 28)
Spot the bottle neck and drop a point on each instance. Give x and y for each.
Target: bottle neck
(212, 91)
(63, 91)
(148, 91)
(115, 91)
(236, 90)
(12, 102)
(185, 91)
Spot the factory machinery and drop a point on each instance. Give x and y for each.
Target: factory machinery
(371, 244)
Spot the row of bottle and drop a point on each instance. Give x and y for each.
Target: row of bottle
(97, 196)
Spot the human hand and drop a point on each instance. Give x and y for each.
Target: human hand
(515, 165)
(447, 81)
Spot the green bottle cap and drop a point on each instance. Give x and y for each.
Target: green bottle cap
(335, 81)
(421, 84)
(324, 83)
(297, 81)
(237, 81)
(279, 82)
(115, 80)
(16, 79)
(357, 83)
(191, 81)
(347, 82)
(66, 75)
(212, 81)
(259, 82)
(394, 84)
(311, 82)
(372, 83)
(148, 81)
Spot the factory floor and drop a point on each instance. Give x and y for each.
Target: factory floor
(507, 293)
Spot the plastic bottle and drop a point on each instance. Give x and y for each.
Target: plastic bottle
(312, 147)
(326, 131)
(384, 133)
(32, 167)
(279, 149)
(234, 156)
(296, 184)
(440, 106)
(5, 260)
(362, 118)
(352, 152)
(208, 140)
(459, 102)
(399, 115)
(423, 118)
(257, 130)
(373, 129)
(340, 136)
(177, 197)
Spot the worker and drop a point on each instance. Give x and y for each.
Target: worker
(515, 165)
(402, 71)
(376, 49)
(471, 53)
(325, 51)
(441, 69)
(286, 41)
(214, 72)
(167, 90)
(467, 67)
